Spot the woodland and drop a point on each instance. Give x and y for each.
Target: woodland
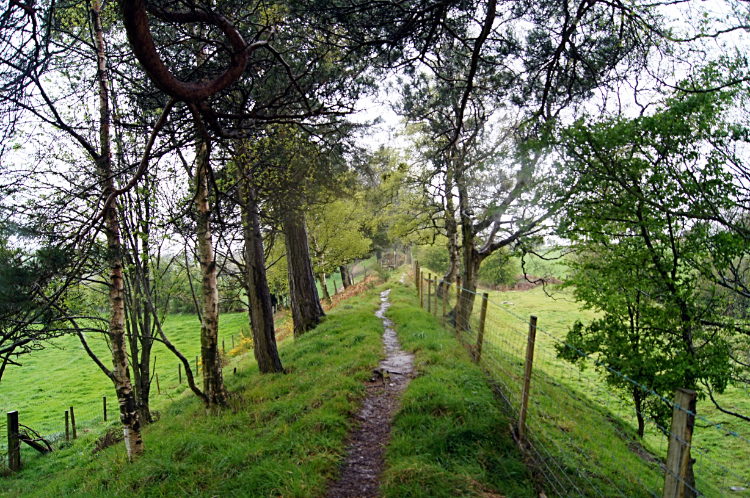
(178, 156)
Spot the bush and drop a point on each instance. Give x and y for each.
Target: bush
(382, 273)
(500, 268)
(434, 257)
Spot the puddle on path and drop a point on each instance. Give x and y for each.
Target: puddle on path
(360, 474)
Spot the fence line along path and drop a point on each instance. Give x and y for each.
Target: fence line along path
(578, 435)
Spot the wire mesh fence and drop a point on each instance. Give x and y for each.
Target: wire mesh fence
(578, 435)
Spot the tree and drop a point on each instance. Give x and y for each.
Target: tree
(435, 257)
(306, 308)
(336, 236)
(652, 273)
(27, 317)
(42, 34)
(259, 297)
(499, 268)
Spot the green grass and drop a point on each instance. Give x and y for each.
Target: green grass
(450, 438)
(714, 450)
(62, 375)
(282, 436)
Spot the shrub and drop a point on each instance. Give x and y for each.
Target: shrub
(434, 257)
(500, 268)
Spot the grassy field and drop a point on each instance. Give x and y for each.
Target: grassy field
(586, 430)
(721, 457)
(63, 375)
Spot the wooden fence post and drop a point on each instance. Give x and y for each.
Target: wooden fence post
(458, 306)
(482, 319)
(158, 389)
(14, 444)
(67, 427)
(416, 275)
(680, 436)
(445, 294)
(73, 422)
(179, 373)
(196, 365)
(104, 405)
(527, 380)
(435, 307)
(429, 291)
(421, 288)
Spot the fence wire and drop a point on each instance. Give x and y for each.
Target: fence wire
(580, 436)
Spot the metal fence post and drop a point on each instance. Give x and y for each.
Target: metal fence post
(680, 437)
(67, 427)
(73, 422)
(104, 405)
(527, 380)
(482, 319)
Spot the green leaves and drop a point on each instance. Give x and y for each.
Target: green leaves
(645, 224)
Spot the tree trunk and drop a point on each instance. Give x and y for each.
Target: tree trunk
(147, 331)
(138, 317)
(303, 295)
(638, 400)
(471, 259)
(324, 287)
(213, 381)
(469, 282)
(259, 296)
(453, 264)
(140, 358)
(120, 374)
(451, 231)
(346, 276)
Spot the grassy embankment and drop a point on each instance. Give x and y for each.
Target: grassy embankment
(579, 408)
(284, 434)
(357, 271)
(715, 448)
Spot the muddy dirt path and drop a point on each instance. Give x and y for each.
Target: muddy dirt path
(360, 475)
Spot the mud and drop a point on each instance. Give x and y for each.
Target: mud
(360, 473)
